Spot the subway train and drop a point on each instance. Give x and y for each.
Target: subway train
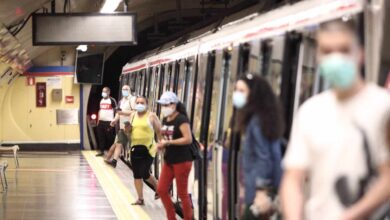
(203, 66)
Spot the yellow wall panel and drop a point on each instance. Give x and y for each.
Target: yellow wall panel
(23, 122)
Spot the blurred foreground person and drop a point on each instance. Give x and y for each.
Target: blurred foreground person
(260, 120)
(338, 139)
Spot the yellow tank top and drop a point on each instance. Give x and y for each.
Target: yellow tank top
(142, 133)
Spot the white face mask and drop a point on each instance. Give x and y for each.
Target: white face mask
(140, 108)
(104, 94)
(239, 99)
(167, 111)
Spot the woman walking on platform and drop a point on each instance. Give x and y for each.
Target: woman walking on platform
(177, 137)
(145, 125)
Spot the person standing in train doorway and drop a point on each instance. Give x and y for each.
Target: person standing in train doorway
(177, 137)
(338, 139)
(260, 120)
(145, 125)
(106, 133)
(122, 116)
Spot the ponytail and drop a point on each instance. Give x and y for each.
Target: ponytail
(181, 108)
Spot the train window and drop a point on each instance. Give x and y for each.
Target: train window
(200, 91)
(243, 59)
(189, 85)
(272, 51)
(254, 57)
(176, 78)
(182, 80)
(155, 87)
(150, 78)
(160, 89)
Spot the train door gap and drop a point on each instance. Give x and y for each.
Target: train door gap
(289, 75)
(204, 131)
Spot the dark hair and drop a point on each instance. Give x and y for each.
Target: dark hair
(142, 97)
(181, 108)
(338, 25)
(262, 102)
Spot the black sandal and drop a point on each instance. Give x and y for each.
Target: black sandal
(139, 202)
(156, 196)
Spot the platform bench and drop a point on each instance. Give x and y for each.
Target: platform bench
(15, 150)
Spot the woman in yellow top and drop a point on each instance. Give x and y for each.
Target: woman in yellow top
(145, 125)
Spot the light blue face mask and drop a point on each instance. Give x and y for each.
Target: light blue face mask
(125, 93)
(140, 108)
(239, 99)
(104, 94)
(339, 70)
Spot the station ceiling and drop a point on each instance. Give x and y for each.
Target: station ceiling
(157, 19)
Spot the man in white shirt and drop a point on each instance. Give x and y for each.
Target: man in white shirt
(337, 138)
(106, 114)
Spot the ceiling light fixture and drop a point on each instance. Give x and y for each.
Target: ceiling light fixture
(110, 6)
(82, 48)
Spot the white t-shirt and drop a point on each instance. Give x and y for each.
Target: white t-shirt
(106, 111)
(325, 142)
(124, 105)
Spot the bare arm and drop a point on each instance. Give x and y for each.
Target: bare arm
(156, 126)
(292, 194)
(187, 136)
(378, 194)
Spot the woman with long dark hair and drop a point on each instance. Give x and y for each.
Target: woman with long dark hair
(177, 137)
(260, 120)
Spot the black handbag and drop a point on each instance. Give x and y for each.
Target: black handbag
(195, 149)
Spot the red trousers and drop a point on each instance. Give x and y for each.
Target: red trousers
(180, 172)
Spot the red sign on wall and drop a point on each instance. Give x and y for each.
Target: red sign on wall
(30, 80)
(69, 99)
(41, 94)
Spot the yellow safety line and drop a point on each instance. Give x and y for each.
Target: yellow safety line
(117, 193)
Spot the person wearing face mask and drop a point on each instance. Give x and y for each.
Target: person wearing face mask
(338, 138)
(145, 125)
(260, 120)
(177, 137)
(122, 116)
(106, 114)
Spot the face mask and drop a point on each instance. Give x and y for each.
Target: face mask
(140, 108)
(167, 111)
(340, 70)
(239, 99)
(125, 93)
(104, 94)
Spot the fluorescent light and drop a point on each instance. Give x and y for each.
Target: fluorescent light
(110, 6)
(82, 48)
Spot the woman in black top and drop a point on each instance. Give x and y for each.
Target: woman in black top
(177, 137)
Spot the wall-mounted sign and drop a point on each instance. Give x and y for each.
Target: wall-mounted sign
(54, 82)
(41, 94)
(30, 80)
(67, 116)
(69, 99)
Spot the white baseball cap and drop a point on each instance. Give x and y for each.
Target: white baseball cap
(168, 98)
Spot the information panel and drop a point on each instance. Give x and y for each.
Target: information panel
(67, 116)
(84, 28)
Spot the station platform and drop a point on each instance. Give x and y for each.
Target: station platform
(73, 185)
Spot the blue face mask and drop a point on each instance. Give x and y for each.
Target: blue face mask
(339, 70)
(125, 93)
(239, 99)
(140, 108)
